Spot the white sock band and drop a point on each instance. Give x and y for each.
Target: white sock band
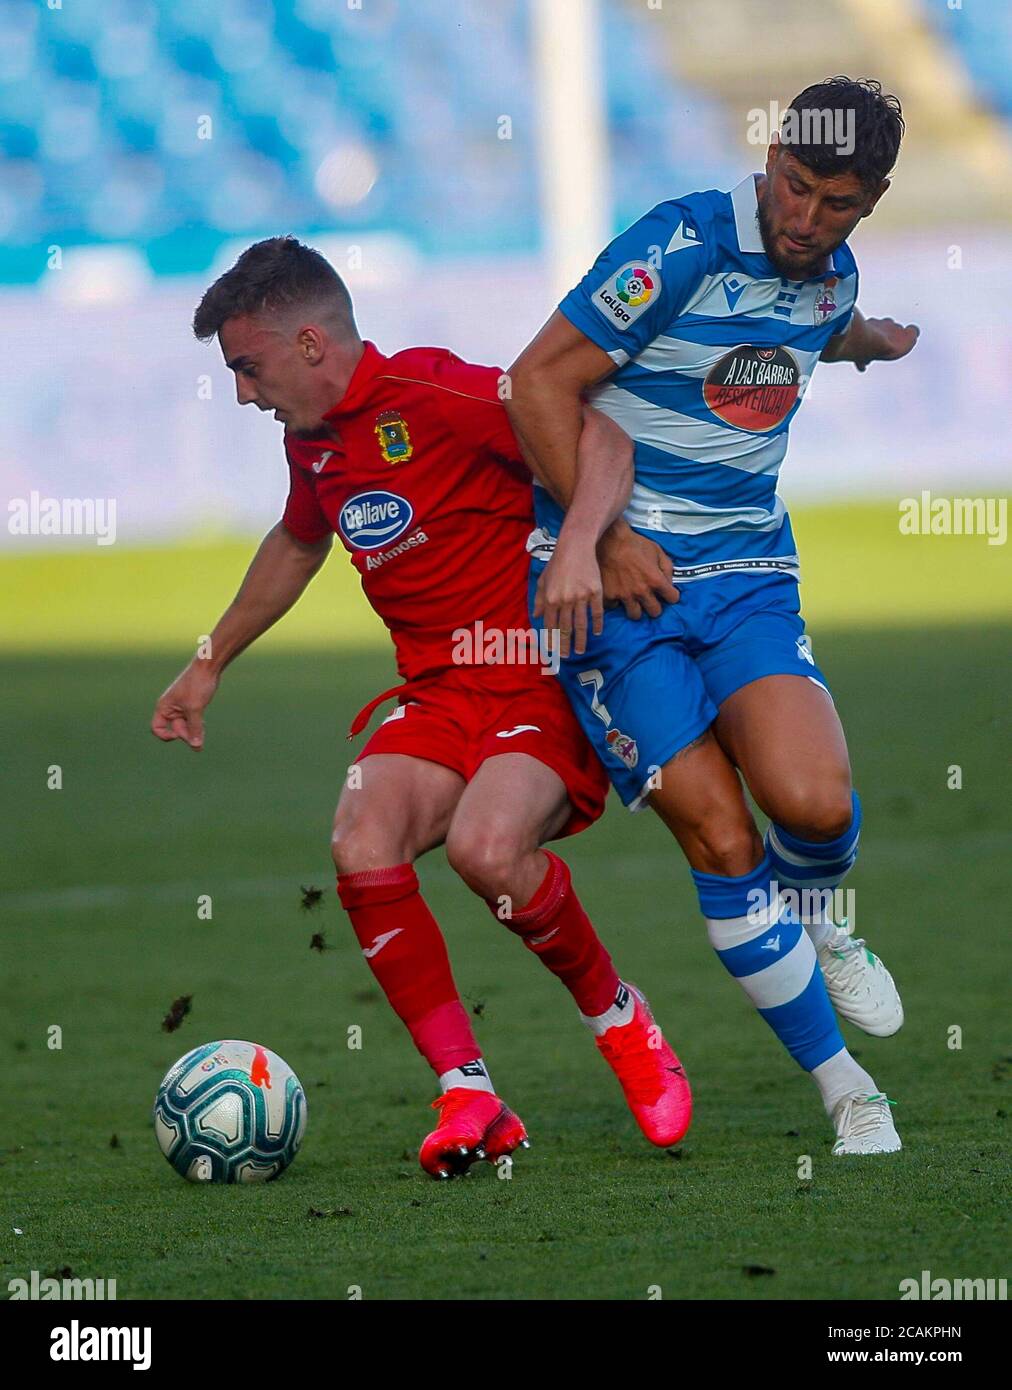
(617, 1016)
(473, 1076)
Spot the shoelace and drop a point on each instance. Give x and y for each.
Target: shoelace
(864, 1115)
(848, 951)
(636, 1064)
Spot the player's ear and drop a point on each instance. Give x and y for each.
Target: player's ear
(311, 345)
(874, 196)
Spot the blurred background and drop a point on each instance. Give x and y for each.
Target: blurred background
(461, 162)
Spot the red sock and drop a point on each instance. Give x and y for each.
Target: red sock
(555, 927)
(405, 950)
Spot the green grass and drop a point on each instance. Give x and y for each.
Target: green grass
(857, 569)
(101, 933)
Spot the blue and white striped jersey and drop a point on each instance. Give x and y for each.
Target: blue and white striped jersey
(714, 350)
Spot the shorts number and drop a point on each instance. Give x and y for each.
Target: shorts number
(595, 679)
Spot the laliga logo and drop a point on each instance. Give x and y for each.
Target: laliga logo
(371, 519)
(626, 293)
(634, 285)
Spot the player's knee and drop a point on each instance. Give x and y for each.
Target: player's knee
(357, 845)
(822, 812)
(729, 849)
(484, 859)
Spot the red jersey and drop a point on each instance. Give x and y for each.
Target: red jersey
(427, 490)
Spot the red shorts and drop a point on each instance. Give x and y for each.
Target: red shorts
(476, 712)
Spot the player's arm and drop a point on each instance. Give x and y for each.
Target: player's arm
(545, 408)
(278, 575)
(870, 340)
(571, 582)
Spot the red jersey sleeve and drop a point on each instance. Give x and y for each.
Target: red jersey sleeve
(303, 515)
(472, 405)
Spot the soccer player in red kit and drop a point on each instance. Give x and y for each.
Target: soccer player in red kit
(411, 461)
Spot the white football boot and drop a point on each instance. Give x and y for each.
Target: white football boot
(864, 1125)
(861, 988)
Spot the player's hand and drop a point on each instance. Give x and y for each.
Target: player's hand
(635, 572)
(569, 586)
(179, 713)
(885, 340)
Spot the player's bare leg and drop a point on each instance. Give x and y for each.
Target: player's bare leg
(699, 798)
(392, 810)
(765, 947)
(510, 807)
(785, 735)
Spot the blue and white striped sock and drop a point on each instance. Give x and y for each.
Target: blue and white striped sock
(818, 866)
(768, 952)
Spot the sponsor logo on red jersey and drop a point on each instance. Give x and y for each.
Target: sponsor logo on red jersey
(371, 519)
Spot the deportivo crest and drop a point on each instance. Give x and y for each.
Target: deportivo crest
(825, 303)
(394, 440)
(623, 746)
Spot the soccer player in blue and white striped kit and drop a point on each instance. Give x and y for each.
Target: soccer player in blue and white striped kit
(697, 331)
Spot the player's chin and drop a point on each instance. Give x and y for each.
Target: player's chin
(790, 267)
(797, 265)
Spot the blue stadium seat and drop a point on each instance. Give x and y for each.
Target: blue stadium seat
(103, 102)
(982, 34)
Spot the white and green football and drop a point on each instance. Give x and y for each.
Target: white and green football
(230, 1112)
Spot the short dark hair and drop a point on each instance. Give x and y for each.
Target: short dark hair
(274, 275)
(875, 118)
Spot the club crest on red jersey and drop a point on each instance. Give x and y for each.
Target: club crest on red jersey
(394, 439)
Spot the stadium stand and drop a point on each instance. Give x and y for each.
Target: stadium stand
(178, 124)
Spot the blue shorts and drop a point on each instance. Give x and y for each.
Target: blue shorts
(645, 689)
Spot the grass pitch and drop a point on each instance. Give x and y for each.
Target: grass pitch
(101, 933)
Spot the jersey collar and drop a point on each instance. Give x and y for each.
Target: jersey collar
(745, 206)
(368, 367)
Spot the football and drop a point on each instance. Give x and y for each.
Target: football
(230, 1112)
